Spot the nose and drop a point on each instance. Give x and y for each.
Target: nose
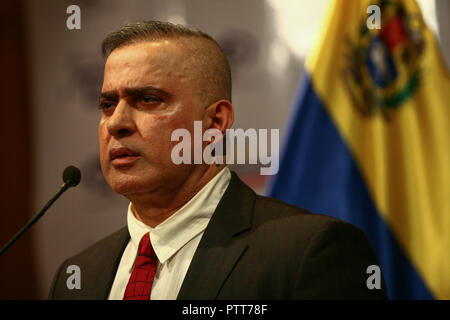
(121, 123)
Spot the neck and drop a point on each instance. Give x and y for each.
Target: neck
(152, 212)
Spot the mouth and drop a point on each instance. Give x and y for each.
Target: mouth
(120, 157)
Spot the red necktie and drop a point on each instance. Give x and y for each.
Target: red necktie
(141, 280)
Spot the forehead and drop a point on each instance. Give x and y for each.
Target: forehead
(146, 63)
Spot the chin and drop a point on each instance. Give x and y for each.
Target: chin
(131, 185)
(147, 181)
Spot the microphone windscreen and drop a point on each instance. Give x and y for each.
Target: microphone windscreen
(72, 176)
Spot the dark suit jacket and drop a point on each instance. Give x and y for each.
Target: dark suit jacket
(254, 247)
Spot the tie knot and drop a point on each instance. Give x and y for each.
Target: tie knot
(145, 246)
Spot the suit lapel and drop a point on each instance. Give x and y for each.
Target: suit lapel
(103, 279)
(219, 249)
(98, 266)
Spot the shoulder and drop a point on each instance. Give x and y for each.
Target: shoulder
(288, 225)
(97, 265)
(102, 249)
(280, 214)
(300, 232)
(111, 242)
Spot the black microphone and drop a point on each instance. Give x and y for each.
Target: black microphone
(71, 178)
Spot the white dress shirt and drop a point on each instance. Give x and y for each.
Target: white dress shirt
(174, 241)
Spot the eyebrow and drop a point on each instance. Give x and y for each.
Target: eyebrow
(112, 95)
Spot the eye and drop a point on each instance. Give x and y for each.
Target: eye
(106, 105)
(149, 98)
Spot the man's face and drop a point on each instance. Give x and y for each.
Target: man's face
(147, 93)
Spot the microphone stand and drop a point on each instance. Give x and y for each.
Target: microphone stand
(33, 220)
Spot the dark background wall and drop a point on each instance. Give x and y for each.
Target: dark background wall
(18, 274)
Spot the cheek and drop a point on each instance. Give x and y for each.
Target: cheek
(157, 135)
(102, 140)
(158, 129)
(157, 139)
(101, 137)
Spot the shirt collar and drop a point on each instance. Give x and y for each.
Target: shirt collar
(186, 223)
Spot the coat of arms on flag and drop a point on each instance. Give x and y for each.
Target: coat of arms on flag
(382, 66)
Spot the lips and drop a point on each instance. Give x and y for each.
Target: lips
(122, 156)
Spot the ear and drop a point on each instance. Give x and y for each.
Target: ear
(219, 115)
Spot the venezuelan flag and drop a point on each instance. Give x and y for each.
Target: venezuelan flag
(369, 141)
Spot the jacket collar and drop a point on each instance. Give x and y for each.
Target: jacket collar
(220, 249)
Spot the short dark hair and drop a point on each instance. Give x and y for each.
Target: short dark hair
(207, 53)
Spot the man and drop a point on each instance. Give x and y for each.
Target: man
(195, 231)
